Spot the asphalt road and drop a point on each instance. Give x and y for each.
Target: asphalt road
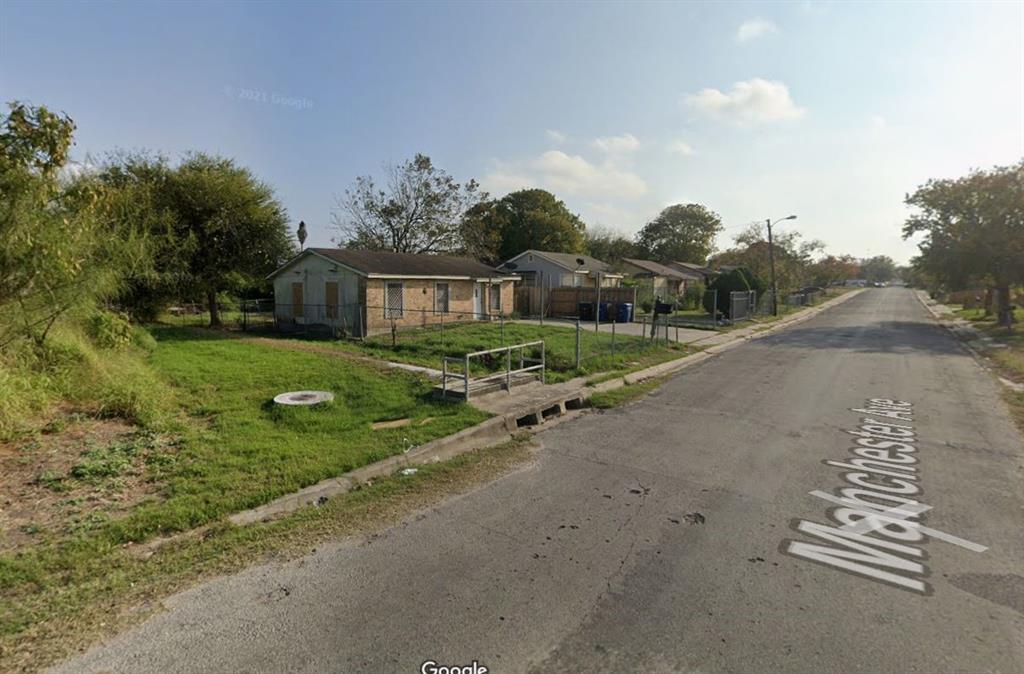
(652, 537)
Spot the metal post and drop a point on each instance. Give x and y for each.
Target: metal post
(597, 304)
(444, 376)
(466, 379)
(577, 343)
(643, 327)
(543, 364)
(394, 333)
(613, 337)
(442, 332)
(541, 274)
(508, 371)
(666, 328)
(501, 317)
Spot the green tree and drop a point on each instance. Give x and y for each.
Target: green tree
(608, 245)
(499, 229)
(420, 210)
(879, 268)
(58, 253)
(833, 268)
(681, 233)
(973, 231)
(229, 227)
(793, 257)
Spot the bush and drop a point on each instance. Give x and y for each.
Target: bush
(109, 330)
(693, 295)
(647, 306)
(726, 283)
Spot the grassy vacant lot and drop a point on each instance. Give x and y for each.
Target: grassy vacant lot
(227, 450)
(427, 346)
(1008, 358)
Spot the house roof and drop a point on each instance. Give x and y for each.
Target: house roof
(388, 264)
(693, 268)
(658, 269)
(568, 261)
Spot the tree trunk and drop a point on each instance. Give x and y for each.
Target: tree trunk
(988, 301)
(1005, 313)
(211, 299)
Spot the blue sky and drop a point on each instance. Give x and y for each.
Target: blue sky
(831, 111)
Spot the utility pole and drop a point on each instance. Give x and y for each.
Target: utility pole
(771, 261)
(597, 305)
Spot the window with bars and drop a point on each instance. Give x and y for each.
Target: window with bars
(441, 298)
(495, 303)
(393, 305)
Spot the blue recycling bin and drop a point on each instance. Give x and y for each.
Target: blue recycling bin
(603, 311)
(624, 312)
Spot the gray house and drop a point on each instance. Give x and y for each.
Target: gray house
(538, 268)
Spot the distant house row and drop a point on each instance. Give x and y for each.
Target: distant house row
(364, 292)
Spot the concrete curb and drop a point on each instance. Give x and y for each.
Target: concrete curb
(538, 415)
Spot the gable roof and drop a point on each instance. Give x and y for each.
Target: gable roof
(692, 267)
(388, 264)
(568, 261)
(658, 269)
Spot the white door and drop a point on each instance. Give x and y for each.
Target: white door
(478, 300)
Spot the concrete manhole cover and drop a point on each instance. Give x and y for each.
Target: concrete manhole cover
(303, 397)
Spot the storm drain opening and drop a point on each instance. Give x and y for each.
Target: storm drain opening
(574, 404)
(552, 411)
(528, 420)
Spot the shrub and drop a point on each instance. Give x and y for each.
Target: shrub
(109, 330)
(693, 295)
(726, 283)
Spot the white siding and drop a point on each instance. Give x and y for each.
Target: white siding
(314, 272)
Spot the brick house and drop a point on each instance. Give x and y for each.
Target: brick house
(363, 293)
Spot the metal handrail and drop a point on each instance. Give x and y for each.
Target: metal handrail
(538, 364)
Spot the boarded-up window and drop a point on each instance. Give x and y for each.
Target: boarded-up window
(495, 303)
(297, 300)
(441, 298)
(393, 307)
(331, 298)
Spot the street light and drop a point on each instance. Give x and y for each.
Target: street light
(771, 260)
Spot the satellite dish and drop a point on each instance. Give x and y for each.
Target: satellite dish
(301, 233)
(580, 261)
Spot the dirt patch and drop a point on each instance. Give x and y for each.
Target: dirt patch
(75, 475)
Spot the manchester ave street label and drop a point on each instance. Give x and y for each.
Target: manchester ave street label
(877, 519)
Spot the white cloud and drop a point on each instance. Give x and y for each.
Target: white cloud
(565, 175)
(555, 136)
(878, 122)
(681, 148)
(627, 142)
(755, 28)
(754, 100)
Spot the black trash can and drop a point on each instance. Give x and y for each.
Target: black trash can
(586, 311)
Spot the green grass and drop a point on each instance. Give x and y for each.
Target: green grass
(61, 611)
(234, 450)
(1010, 360)
(248, 451)
(624, 394)
(426, 347)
